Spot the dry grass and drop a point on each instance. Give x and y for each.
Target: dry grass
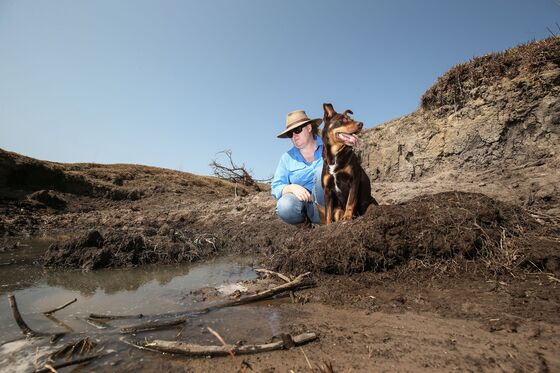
(429, 232)
(458, 85)
(115, 182)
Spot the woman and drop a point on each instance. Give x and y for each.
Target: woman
(297, 180)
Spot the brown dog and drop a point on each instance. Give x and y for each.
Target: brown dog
(346, 185)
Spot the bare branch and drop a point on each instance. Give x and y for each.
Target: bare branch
(60, 307)
(233, 172)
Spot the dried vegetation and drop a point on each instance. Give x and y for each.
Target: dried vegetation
(464, 82)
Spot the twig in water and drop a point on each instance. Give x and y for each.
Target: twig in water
(297, 282)
(60, 307)
(80, 347)
(153, 325)
(67, 363)
(98, 323)
(19, 320)
(114, 317)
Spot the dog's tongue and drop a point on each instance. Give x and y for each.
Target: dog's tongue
(349, 140)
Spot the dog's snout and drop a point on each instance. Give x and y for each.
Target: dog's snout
(360, 125)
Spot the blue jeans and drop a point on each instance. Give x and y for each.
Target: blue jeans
(293, 211)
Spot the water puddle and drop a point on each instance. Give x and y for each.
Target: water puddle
(148, 290)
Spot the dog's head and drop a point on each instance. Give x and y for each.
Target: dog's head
(339, 129)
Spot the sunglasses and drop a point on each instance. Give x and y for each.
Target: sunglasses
(297, 130)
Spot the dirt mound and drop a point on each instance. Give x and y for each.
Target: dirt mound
(24, 173)
(21, 175)
(120, 249)
(49, 199)
(438, 226)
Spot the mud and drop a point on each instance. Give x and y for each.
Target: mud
(452, 272)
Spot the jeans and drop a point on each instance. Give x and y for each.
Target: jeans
(293, 211)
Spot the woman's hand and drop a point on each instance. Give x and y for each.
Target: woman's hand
(300, 192)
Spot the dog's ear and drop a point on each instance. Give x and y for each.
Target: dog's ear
(329, 110)
(348, 112)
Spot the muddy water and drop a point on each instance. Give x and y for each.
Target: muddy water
(147, 290)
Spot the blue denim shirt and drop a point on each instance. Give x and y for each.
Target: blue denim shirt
(293, 169)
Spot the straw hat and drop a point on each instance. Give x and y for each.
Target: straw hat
(296, 119)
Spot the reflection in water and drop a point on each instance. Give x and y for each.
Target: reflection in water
(21, 268)
(114, 280)
(147, 290)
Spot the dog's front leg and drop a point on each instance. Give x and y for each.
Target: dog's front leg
(351, 202)
(328, 207)
(327, 187)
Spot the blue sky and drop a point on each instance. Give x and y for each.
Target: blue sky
(172, 83)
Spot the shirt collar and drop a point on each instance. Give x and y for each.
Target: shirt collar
(297, 154)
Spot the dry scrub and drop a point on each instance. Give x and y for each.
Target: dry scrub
(439, 226)
(462, 82)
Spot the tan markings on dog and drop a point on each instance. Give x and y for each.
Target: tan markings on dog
(348, 170)
(352, 127)
(326, 179)
(328, 215)
(335, 143)
(349, 211)
(338, 212)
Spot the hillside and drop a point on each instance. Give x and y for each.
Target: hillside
(490, 125)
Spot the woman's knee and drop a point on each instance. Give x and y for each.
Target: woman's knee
(290, 209)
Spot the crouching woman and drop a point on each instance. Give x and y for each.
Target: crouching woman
(297, 181)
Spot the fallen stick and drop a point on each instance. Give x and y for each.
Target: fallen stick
(277, 274)
(97, 323)
(137, 344)
(114, 317)
(199, 350)
(294, 284)
(152, 325)
(67, 364)
(79, 347)
(25, 329)
(61, 307)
